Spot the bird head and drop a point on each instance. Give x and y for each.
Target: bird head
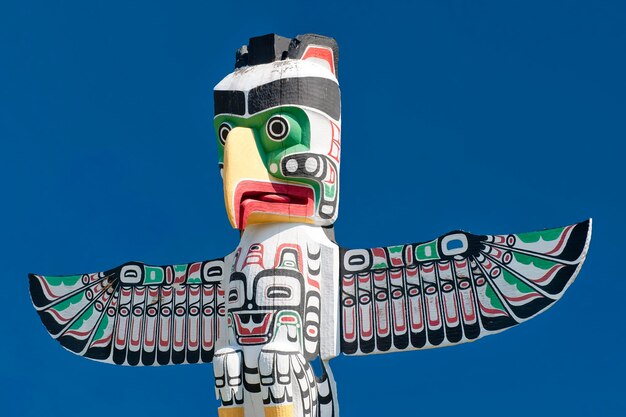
(278, 125)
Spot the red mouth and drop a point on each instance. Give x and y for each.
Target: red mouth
(271, 198)
(253, 328)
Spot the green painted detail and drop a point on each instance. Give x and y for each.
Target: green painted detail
(194, 280)
(154, 275)
(102, 327)
(427, 251)
(271, 151)
(299, 129)
(519, 285)
(493, 298)
(534, 261)
(180, 268)
(395, 249)
(68, 280)
(547, 235)
(287, 313)
(329, 190)
(381, 265)
(69, 302)
(297, 322)
(83, 318)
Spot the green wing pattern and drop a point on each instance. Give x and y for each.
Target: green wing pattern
(454, 289)
(135, 314)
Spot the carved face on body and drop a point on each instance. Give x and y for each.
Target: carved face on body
(278, 127)
(263, 302)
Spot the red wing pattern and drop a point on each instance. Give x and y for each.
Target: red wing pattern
(135, 314)
(454, 289)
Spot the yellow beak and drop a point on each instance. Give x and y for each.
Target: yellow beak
(251, 194)
(241, 161)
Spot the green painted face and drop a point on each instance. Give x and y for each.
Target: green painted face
(279, 140)
(278, 132)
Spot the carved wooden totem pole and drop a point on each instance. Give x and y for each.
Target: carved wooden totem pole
(288, 293)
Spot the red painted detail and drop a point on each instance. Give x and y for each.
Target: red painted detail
(271, 198)
(120, 339)
(252, 340)
(348, 321)
(396, 275)
(396, 259)
(47, 289)
(287, 319)
(335, 144)
(164, 334)
(492, 311)
(380, 276)
(251, 328)
(469, 314)
(416, 320)
(451, 313)
(548, 275)
(60, 318)
(254, 256)
(320, 52)
(366, 333)
(434, 321)
(563, 238)
(102, 342)
(192, 334)
(399, 321)
(180, 277)
(207, 334)
(313, 283)
(194, 270)
(381, 311)
(332, 176)
(408, 254)
(77, 333)
(288, 246)
(524, 297)
(149, 340)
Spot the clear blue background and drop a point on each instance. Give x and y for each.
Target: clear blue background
(490, 116)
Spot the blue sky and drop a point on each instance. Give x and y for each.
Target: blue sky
(489, 116)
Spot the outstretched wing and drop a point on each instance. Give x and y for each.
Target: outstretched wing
(135, 314)
(454, 289)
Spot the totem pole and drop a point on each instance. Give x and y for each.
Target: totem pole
(288, 293)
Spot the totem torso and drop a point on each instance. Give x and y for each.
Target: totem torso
(274, 306)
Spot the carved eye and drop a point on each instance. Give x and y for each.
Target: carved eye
(277, 128)
(233, 296)
(223, 132)
(279, 291)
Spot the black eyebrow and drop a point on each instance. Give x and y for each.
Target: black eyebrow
(316, 92)
(230, 102)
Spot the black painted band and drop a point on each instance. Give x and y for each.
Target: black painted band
(230, 102)
(316, 92)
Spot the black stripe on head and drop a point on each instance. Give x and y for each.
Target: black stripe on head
(230, 102)
(316, 92)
